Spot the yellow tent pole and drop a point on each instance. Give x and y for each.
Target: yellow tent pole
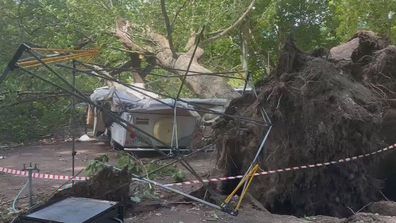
(61, 50)
(53, 59)
(33, 64)
(247, 186)
(240, 185)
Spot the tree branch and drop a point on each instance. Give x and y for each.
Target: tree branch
(135, 62)
(33, 100)
(102, 72)
(168, 28)
(123, 27)
(122, 68)
(161, 55)
(83, 43)
(191, 41)
(177, 13)
(20, 93)
(232, 27)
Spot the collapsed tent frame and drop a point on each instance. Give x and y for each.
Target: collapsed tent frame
(14, 64)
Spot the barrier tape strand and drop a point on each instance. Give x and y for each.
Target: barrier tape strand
(40, 175)
(391, 147)
(310, 166)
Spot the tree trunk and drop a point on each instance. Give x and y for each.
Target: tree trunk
(204, 86)
(245, 45)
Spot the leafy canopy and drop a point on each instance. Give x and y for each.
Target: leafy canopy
(90, 23)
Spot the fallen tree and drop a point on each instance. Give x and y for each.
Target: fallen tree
(160, 51)
(323, 108)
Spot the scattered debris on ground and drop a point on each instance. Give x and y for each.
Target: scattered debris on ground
(85, 138)
(369, 218)
(386, 208)
(107, 184)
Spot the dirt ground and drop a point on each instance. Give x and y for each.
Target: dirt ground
(194, 213)
(50, 159)
(56, 159)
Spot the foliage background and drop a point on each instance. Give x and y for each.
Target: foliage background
(68, 23)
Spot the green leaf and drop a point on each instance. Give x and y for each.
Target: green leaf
(179, 176)
(136, 199)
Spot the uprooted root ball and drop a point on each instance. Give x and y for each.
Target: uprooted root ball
(319, 113)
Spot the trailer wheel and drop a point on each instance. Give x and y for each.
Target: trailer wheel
(115, 145)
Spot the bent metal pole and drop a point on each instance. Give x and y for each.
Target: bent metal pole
(144, 136)
(178, 192)
(163, 187)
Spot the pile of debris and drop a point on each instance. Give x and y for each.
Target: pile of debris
(324, 106)
(107, 184)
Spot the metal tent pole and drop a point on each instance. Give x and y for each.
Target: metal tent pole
(163, 187)
(136, 178)
(144, 136)
(174, 130)
(147, 138)
(203, 109)
(246, 82)
(73, 122)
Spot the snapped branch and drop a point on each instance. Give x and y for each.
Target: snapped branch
(168, 28)
(122, 32)
(177, 12)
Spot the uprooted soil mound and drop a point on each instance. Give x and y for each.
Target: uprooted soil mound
(386, 208)
(107, 184)
(321, 111)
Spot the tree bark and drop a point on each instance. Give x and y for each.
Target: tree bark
(245, 46)
(135, 63)
(204, 86)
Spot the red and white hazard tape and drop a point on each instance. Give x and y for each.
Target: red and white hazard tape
(40, 175)
(58, 177)
(391, 147)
